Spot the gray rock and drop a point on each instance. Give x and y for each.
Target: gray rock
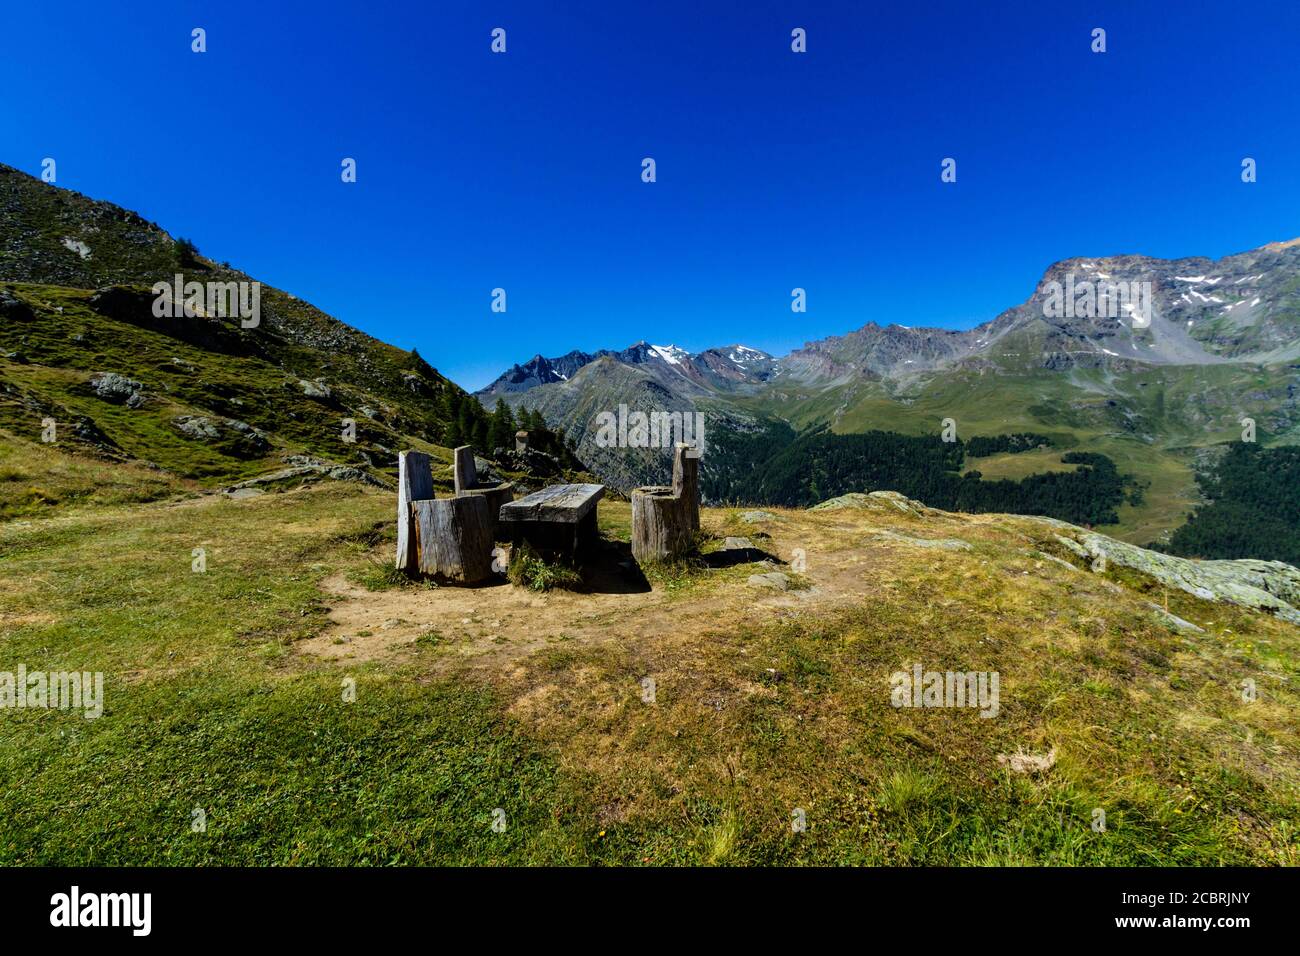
(244, 439)
(485, 473)
(754, 517)
(1270, 586)
(118, 389)
(316, 389)
(239, 493)
(1176, 622)
(197, 427)
(737, 544)
(876, 501)
(773, 579)
(307, 468)
(943, 544)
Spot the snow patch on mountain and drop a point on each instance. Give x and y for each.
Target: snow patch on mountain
(670, 353)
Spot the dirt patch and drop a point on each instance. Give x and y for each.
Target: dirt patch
(498, 625)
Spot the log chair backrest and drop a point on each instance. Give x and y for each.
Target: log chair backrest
(463, 470)
(414, 483)
(686, 481)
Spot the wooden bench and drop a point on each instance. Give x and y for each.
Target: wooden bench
(559, 519)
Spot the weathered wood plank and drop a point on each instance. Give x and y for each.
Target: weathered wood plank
(414, 482)
(686, 482)
(564, 504)
(454, 538)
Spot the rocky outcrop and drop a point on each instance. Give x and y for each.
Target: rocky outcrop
(118, 389)
(1271, 586)
(235, 437)
(876, 500)
(306, 468)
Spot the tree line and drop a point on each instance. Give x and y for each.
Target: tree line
(810, 468)
(466, 422)
(1252, 508)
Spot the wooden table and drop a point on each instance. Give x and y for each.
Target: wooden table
(561, 518)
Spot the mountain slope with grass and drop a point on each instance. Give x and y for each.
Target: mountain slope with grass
(196, 401)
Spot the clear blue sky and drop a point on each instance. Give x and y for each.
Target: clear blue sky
(775, 170)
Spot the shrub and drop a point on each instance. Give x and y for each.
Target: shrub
(530, 570)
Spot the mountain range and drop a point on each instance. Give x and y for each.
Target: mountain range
(1214, 342)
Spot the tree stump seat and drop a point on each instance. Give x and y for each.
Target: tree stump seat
(465, 476)
(449, 539)
(665, 518)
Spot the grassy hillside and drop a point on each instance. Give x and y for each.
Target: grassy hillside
(187, 402)
(224, 692)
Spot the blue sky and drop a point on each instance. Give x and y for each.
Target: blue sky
(775, 170)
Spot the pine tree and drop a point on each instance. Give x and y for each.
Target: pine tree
(501, 427)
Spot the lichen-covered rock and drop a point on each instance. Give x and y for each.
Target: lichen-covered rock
(773, 579)
(197, 427)
(942, 544)
(756, 517)
(229, 435)
(1271, 586)
(307, 468)
(875, 500)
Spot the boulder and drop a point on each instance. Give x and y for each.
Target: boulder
(229, 435)
(118, 389)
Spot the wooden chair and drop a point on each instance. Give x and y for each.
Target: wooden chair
(665, 519)
(446, 538)
(465, 475)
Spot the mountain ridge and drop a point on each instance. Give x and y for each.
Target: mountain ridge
(1220, 344)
